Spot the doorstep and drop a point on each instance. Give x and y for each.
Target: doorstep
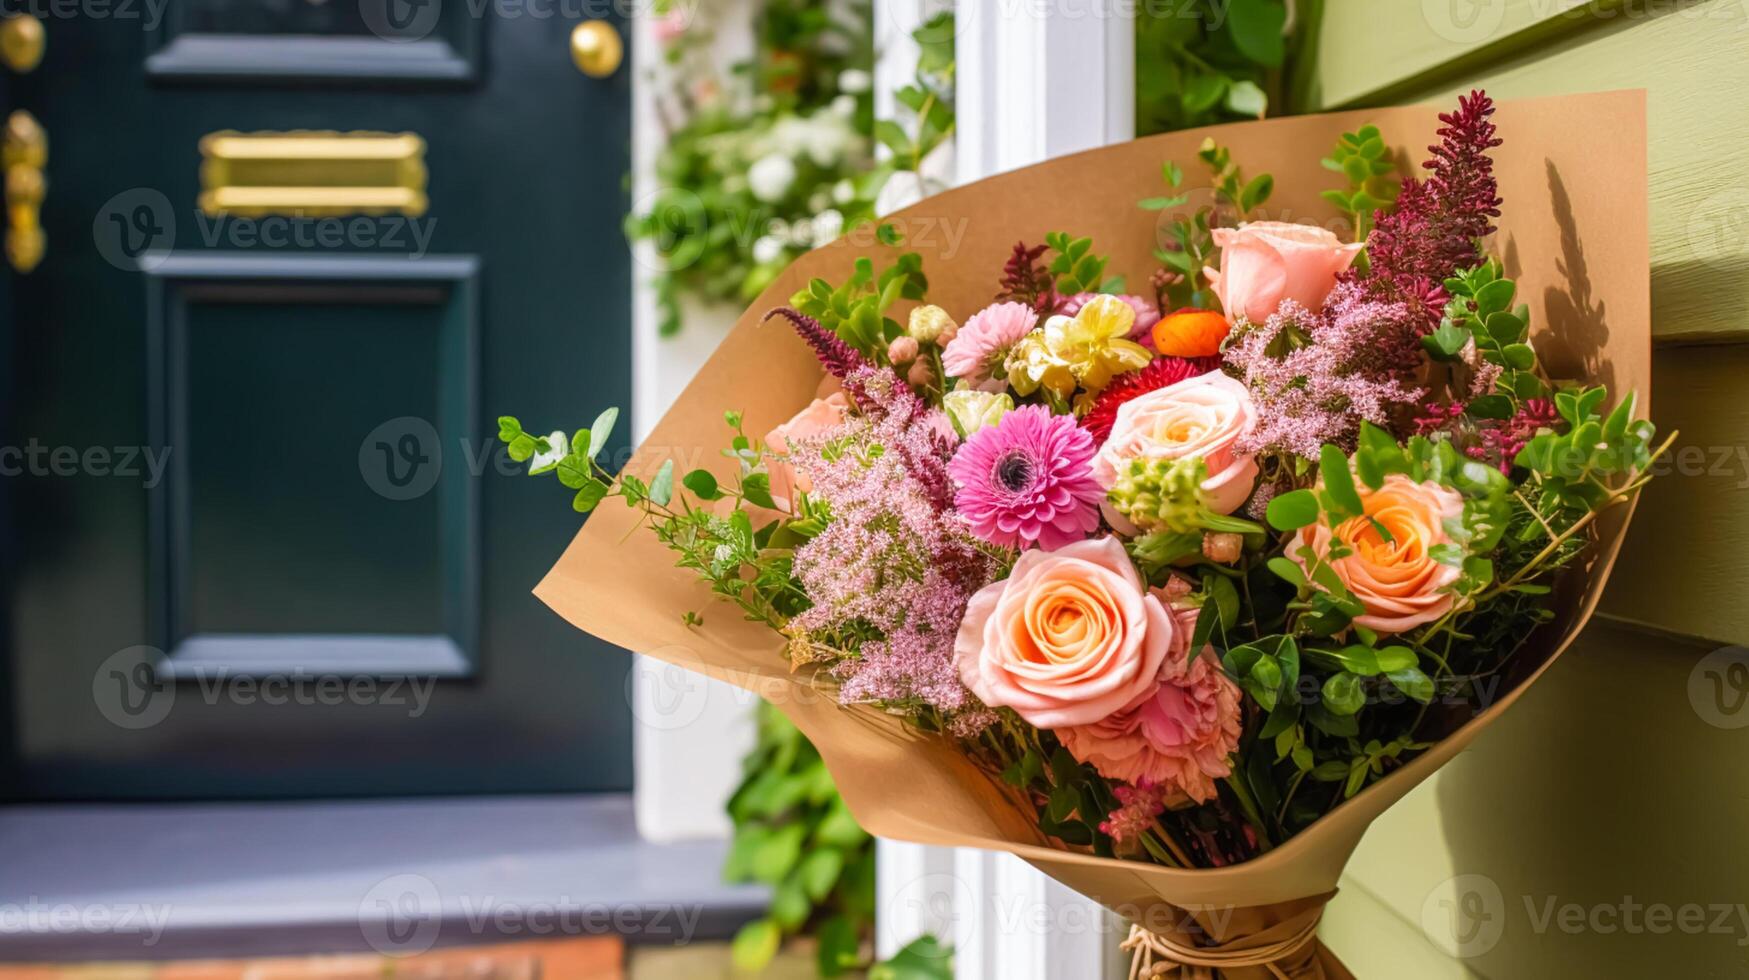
(82, 882)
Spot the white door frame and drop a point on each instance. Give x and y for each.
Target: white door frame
(1035, 80)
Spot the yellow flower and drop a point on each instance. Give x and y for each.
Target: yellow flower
(1032, 365)
(1096, 342)
(1087, 350)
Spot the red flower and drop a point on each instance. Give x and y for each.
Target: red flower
(1159, 373)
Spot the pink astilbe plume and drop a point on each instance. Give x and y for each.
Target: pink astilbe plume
(1315, 377)
(894, 566)
(1439, 221)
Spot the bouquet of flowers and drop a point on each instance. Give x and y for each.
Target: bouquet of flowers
(1173, 593)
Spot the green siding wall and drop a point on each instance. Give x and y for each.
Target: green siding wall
(1608, 789)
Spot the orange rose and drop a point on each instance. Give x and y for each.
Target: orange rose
(1396, 579)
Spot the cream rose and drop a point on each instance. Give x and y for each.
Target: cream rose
(1202, 416)
(1397, 580)
(1069, 638)
(1266, 262)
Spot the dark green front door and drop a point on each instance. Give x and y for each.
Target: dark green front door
(259, 539)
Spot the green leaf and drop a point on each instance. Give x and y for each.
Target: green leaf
(703, 484)
(778, 853)
(838, 947)
(1255, 27)
(662, 487)
(591, 494)
(755, 945)
(1292, 510)
(838, 828)
(1246, 98)
(1395, 658)
(789, 905)
(521, 448)
(819, 872)
(1288, 570)
(1412, 682)
(508, 427)
(756, 487)
(924, 958)
(601, 431)
(1256, 192)
(1339, 483)
(1343, 694)
(1489, 407)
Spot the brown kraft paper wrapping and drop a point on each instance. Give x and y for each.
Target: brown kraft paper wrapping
(1572, 172)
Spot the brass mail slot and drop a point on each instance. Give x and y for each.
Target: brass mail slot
(312, 174)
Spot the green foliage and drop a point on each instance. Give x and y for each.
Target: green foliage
(715, 236)
(1201, 62)
(856, 309)
(793, 832)
(1480, 310)
(1373, 183)
(1186, 229)
(928, 99)
(1075, 268)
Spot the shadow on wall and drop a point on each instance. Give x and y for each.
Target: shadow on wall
(1596, 830)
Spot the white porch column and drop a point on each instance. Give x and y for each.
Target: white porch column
(1036, 79)
(688, 733)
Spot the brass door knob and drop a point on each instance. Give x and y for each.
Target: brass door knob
(596, 48)
(21, 42)
(24, 151)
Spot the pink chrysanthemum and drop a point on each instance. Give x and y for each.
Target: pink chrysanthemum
(1028, 480)
(984, 341)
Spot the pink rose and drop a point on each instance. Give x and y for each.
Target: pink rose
(1264, 263)
(1070, 637)
(822, 414)
(1398, 581)
(1202, 416)
(1178, 736)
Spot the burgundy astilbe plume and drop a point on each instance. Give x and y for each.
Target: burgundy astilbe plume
(1439, 221)
(835, 355)
(1160, 372)
(1024, 280)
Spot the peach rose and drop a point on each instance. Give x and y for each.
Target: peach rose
(1398, 581)
(1070, 637)
(1202, 416)
(820, 415)
(1178, 736)
(1266, 262)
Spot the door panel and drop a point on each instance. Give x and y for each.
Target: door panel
(325, 588)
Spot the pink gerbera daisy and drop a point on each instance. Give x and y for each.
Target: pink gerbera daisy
(1028, 480)
(983, 343)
